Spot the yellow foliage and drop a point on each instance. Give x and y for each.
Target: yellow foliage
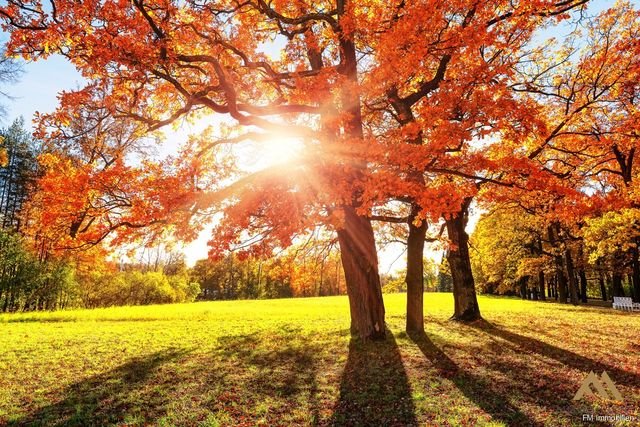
(612, 232)
(4, 158)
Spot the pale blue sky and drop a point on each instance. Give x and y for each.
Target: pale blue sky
(43, 80)
(38, 88)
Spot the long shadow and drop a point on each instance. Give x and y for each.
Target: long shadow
(280, 378)
(374, 389)
(563, 356)
(472, 386)
(107, 398)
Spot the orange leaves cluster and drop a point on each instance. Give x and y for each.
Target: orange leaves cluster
(436, 107)
(78, 205)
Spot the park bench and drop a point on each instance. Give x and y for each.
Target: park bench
(625, 303)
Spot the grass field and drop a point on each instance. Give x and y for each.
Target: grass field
(292, 362)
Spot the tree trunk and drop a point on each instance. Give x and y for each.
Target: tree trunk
(464, 290)
(12, 302)
(635, 275)
(583, 286)
(561, 279)
(541, 285)
(573, 286)
(561, 283)
(360, 263)
(415, 273)
(523, 287)
(616, 279)
(415, 242)
(603, 287)
(357, 244)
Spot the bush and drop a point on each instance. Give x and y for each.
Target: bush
(110, 288)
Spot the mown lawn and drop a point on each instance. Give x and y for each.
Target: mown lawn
(292, 362)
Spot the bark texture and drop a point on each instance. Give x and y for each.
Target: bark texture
(360, 263)
(357, 244)
(415, 274)
(464, 290)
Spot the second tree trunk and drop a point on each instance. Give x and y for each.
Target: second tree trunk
(464, 289)
(415, 273)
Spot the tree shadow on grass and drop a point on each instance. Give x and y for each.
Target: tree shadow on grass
(374, 389)
(109, 398)
(471, 385)
(566, 357)
(275, 378)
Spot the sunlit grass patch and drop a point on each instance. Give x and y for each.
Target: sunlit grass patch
(291, 362)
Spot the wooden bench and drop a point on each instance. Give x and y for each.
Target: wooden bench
(625, 304)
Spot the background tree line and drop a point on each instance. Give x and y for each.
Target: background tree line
(595, 257)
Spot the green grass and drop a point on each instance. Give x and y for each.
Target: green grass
(292, 362)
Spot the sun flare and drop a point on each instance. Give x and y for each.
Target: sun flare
(277, 150)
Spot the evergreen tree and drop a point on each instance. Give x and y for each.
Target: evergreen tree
(17, 174)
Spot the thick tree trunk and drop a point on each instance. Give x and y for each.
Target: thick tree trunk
(360, 263)
(616, 280)
(415, 273)
(583, 286)
(541, 285)
(357, 245)
(561, 283)
(464, 290)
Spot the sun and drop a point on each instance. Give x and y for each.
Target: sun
(270, 150)
(275, 151)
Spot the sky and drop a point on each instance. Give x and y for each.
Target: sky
(42, 81)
